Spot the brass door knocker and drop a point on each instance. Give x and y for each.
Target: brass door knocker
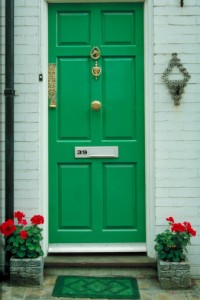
(95, 53)
(96, 70)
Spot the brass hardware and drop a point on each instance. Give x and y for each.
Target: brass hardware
(52, 103)
(52, 85)
(96, 70)
(95, 53)
(96, 105)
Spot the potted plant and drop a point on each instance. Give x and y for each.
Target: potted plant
(173, 267)
(22, 244)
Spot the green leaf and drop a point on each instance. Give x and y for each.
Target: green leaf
(31, 247)
(21, 254)
(23, 247)
(11, 239)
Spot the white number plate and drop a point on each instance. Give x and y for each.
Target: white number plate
(96, 152)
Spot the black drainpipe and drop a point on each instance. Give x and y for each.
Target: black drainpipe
(9, 113)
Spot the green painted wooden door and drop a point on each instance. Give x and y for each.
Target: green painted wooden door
(97, 200)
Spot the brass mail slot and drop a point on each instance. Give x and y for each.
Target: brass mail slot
(97, 152)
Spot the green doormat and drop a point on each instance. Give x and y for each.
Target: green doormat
(96, 287)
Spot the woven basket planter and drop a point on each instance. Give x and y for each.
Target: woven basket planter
(26, 270)
(174, 275)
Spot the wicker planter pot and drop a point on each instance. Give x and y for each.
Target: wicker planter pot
(26, 270)
(173, 275)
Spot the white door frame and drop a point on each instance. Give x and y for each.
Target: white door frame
(149, 122)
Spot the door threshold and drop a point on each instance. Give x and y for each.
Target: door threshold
(97, 248)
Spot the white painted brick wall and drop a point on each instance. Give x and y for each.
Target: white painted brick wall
(177, 128)
(27, 60)
(27, 106)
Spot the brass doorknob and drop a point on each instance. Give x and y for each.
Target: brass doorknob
(96, 105)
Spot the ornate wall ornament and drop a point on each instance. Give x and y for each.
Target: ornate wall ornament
(176, 87)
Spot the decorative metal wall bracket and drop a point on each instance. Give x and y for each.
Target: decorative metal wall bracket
(176, 87)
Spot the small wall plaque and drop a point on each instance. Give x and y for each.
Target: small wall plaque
(176, 87)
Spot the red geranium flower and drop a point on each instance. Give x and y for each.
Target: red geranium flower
(178, 227)
(189, 228)
(192, 232)
(19, 215)
(37, 219)
(170, 219)
(22, 222)
(7, 227)
(23, 234)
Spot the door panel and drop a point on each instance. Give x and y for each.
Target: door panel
(80, 22)
(74, 196)
(97, 200)
(115, 32)
(119, 84)
(119, 210)
(73, 108)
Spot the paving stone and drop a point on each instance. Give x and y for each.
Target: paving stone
(149, 287)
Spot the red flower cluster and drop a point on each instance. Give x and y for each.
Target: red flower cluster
(189, 228)
(181, 227)
(7, 227)
(22, 240)
(37, 219)
(170, 220)
(19, 216)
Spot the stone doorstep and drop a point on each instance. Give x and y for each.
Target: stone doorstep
(94, 260)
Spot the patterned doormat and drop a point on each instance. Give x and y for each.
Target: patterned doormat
(96, 287)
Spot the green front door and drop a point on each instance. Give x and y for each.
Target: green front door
(97, 195)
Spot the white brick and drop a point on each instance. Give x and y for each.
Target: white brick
(178, 29)
(33, 3)
(20, 3)
(19, 21)
(30, 78)
(26, 185)
(26, 146)
(33, 118)
(162, 202)
(31, 21)
(27, 49)
(158, 20)
(31, 174)
(182, 20)
(32, 137)
(26, 11)
(26, 30)
(160, 3)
